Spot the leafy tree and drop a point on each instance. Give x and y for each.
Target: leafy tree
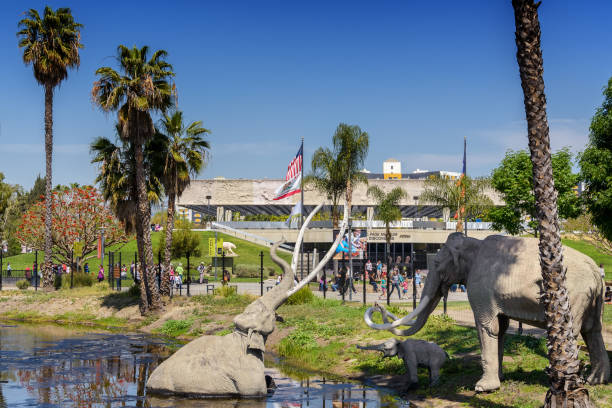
(8, 198)
(184, 157)
(51, 45)
(565, 383)
(513, 179)
(185, 242)
(78, 215)
(596, 166)
(447, 193)
(583, 225)
(142, 87)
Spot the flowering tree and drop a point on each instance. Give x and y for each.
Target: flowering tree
(79, 214)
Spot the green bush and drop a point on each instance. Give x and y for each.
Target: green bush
(248, 271)
(271, 271)
(173, 328)
(82, 279)
(23, 284)
(301, 297)
(225, 291)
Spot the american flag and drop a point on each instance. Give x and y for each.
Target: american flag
(293, 178)
(295, 167)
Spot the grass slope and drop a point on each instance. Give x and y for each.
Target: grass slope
(248, 253)
(588, 249)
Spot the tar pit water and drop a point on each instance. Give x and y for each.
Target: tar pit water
(50, 366)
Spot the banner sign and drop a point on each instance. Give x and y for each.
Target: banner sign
(359, 244)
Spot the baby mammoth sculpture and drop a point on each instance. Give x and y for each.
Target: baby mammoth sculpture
(504, 281)
(415, 353)
(232, 365)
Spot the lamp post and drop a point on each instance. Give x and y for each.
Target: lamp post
(208, 197)
(350, 254)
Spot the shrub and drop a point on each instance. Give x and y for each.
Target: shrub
(301, 297)
(82, 279)
(174, 328)
(271, 271)
(248, 271)
(102, 286)
(23, 284)
(225, 291)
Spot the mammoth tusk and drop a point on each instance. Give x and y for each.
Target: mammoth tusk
(408, 320)
(327, 256)
(300, 238)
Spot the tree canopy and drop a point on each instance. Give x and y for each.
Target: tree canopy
(513, 179)
(596, 166)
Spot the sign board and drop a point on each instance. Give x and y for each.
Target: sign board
(211, 247)
(397, 235)
(77, 248)
(358, 244)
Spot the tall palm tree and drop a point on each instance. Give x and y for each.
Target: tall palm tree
(51, 45)
(184, 157)
(327, 178)
(352, 145)
(117, 180)
(142, 88)
(565, 382)
(446, 193)
(388, 211)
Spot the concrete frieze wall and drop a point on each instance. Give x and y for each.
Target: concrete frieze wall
(244, 192)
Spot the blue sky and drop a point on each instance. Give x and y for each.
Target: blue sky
(417, 76)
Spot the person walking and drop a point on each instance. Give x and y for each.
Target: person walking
(395, 283)
(201, 269)
(100, 274)
(86, 267)
(602, 271)
(383, 285)
(9, 269)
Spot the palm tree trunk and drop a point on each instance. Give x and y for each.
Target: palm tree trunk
(165, 288)
(565, 383)
(48, 270)
(150, 295)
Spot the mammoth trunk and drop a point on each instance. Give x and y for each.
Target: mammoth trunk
(432, 295)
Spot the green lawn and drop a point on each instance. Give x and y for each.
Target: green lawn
(248, 253)
(588, 249)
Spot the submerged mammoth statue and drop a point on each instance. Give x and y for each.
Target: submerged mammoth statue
(504, 281)
(232, 365)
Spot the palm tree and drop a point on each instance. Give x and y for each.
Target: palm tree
(565, 382)
(184, 157)
(327, 178)
(142, 88)
(352, 145)
(446, 193)
(117, 179)
(51, 45)
(388, 211)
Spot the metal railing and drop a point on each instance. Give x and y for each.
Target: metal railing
(239, 226)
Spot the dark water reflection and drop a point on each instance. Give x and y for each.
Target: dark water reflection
(48, 366)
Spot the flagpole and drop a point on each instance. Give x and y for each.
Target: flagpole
(302, 210)
(465, 228)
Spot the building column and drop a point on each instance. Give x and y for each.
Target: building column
(220, 214)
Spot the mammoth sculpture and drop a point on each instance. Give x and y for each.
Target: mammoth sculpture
(415, 353)
(232, 365)
(503, 280)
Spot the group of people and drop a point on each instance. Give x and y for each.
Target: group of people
(399, 278)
